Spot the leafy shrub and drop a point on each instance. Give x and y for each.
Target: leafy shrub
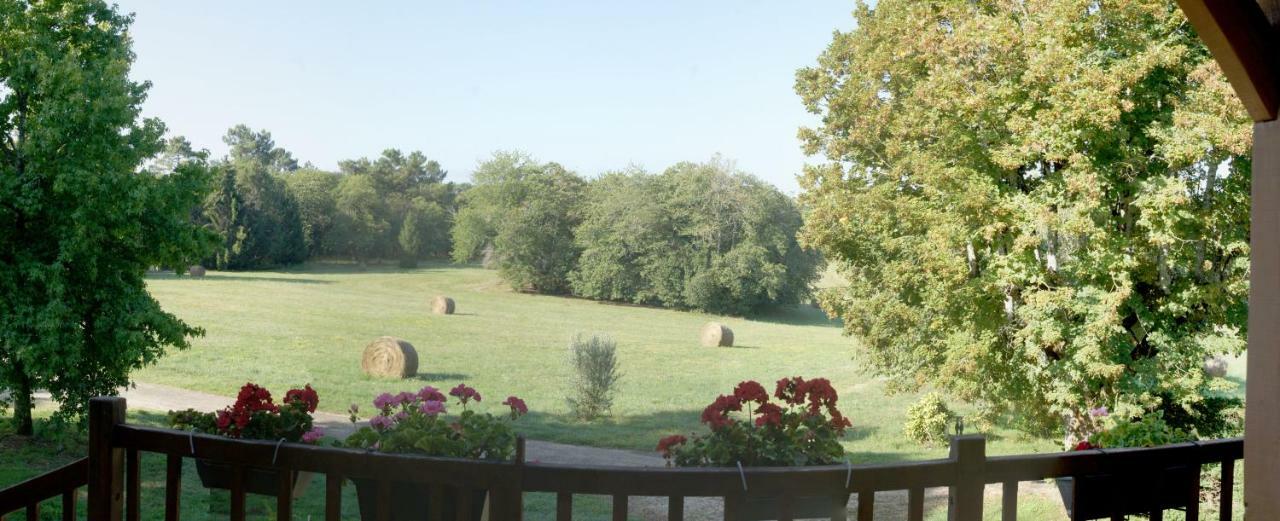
(701, 236)
(927, 420)
(1150, 431)
(803, 428)
(595, 376)
(1211, 417)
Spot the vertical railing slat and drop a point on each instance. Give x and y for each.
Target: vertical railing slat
(106, 463)
(675, 508)
(435, 505)
(1226, 499)
(1009, 502)
(332, 497)
(132, 483)
(866, 505)
(619, 507)
(734, 504)
(915, 504)
(465, 509)
(564, 506)
(970, 455)
(1156, 515)
(237, 492)
(284, 494)
(784, 508)
(69, 505)
(1193, 506)
(33, 512)
(172, 487)
(382, 511)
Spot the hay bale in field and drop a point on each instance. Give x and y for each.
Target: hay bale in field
(389, 357)
(715, 334)
(196, 270)
(1216, 367)
(442, 305)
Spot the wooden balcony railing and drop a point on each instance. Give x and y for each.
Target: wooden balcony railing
(112, 470)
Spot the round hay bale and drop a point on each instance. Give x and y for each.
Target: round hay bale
(1216, 367)
(196, 270)
(389, 357)
(442, 305)
(715, 334)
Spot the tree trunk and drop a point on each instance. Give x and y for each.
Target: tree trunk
(22, 403)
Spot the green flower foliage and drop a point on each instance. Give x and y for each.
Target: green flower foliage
(927, 420)
(1041, 207)
(81, 217)
(1150, 431)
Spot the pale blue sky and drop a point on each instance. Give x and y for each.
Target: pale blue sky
(593, 85)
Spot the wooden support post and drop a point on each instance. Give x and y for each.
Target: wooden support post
(970, 454)
(1262, 424)
(106, 463)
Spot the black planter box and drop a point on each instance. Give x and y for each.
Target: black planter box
(256, 481)
(1100, 497)
(412, 501)
(802, 507)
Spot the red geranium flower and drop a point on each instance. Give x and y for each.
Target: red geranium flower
(1084, 445)
(788, 390)
(751, 391)
(770, 414)
(717, 414)
(666, 444)
(517, 405)
(306, 396)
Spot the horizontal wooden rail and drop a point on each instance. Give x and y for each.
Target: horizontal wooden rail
(62, 481)
(112, 473)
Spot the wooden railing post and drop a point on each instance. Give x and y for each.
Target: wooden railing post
(965, 501)
(106, 463)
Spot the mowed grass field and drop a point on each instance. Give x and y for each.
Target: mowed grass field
(310, 325)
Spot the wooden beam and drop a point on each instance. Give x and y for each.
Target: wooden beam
(1262, 423)
(1245, 45)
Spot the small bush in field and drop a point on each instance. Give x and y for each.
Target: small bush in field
(927, 420)
(595, 376)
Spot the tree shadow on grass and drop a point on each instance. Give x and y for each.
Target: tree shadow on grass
(797, 315)
(232, 277)
(441, 377)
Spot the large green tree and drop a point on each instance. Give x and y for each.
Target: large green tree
(81, 220)
(699, 235)
(251, 206)
(1040, 205)
(521, 214)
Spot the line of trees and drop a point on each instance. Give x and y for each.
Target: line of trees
(270, 212)
(698, 236)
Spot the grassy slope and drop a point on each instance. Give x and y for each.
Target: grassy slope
(310, 325)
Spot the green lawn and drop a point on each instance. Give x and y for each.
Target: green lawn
(309, 325)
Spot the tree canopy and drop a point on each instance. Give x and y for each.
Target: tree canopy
(82, 214)
(1041, 206)
(698, 236)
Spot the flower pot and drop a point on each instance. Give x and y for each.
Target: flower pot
(412, 501)
(802, 507)
(1100, 497)
(256, 481)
